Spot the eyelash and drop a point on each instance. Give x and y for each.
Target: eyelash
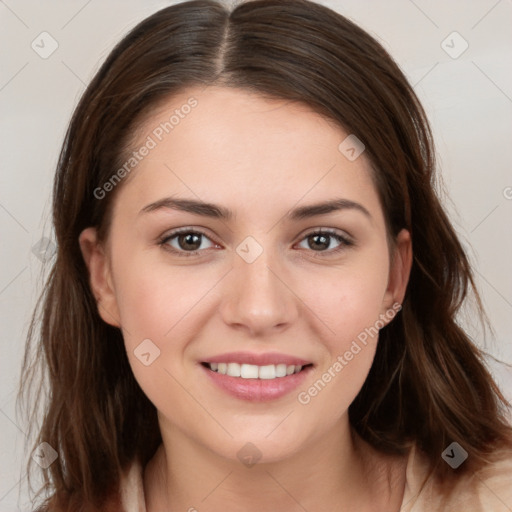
(345, 242)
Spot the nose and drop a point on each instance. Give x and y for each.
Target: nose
(257, 297)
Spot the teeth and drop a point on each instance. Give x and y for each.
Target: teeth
(252, 371)
(233, 370)
(267, 372)
(280, 370)
(249, 371)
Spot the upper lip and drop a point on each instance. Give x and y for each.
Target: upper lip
(257, 359)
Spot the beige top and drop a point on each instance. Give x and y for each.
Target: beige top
(488, 490)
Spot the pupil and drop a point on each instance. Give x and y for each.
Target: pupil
(190, 239)
(324, 244)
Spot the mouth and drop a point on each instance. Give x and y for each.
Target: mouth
(256, 377)
(253, 371)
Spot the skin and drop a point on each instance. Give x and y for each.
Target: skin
(260, 158)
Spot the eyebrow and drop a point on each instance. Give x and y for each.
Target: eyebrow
(219, 212)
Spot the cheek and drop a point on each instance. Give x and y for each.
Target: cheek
(152, 297)
(347, 299)
(166, 305)
(351, 309)
(143, 303)
(155, 304)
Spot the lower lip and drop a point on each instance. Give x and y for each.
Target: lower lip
(257, 390)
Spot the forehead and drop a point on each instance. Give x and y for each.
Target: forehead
(234, 147)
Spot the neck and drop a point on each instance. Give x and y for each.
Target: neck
(337, 472)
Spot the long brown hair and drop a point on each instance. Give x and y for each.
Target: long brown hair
(428, 383)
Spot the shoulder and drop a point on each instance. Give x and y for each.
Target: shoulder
(495, 481)
(486, 490)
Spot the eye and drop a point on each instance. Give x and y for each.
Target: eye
(185, 242)
(190, 242)
(321, 241)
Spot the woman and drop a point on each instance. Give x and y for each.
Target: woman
(253, 302)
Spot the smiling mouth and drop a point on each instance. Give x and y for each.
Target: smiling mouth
(252, 371)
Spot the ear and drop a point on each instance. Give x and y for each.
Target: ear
(400, 269)
(100, 277)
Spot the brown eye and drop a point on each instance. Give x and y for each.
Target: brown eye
(319, 241)
(322, 241)
(189, 241)
(186, 242)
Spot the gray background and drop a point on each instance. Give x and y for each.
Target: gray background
(468, 100)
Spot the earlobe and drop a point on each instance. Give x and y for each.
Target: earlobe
(100, 279)
(399, 271)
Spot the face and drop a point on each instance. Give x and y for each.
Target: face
(285, 298)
